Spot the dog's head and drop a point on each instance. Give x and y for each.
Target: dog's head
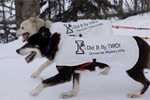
(40, 44)
(35, 44)
(31, 26)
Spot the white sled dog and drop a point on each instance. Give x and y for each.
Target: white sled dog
(77, 53)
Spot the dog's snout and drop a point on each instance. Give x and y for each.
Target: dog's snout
(18, 51)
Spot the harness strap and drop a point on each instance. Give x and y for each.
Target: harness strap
(83, 66)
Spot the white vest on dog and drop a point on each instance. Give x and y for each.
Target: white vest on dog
(111, 50)
(84, 27)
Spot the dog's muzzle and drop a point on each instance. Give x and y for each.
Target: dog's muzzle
(30, 56)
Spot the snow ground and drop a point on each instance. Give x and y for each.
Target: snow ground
(16, 83)
(139, 21)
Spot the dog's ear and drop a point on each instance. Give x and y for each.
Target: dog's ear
(94, 60)
(55, 38)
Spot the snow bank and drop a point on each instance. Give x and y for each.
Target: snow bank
(139, 21)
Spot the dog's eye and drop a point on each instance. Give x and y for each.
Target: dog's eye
(22, 27)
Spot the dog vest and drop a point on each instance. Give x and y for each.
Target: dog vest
(83, 28)
(111, 50)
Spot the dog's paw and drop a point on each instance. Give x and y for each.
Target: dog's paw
(37, 90)
(34, 93)
(69, 94)
(35, 75)
(105, 71)
(133, 95)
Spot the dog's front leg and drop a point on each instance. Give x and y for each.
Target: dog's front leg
(75, 90)
(40, 69)
(36, 91)
(52, 81)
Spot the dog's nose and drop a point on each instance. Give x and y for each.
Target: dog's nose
(18, 51)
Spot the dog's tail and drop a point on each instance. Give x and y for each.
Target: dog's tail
(148, 61)
(144, 53)
(148, 65)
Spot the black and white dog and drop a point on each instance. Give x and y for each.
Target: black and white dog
(77, 51)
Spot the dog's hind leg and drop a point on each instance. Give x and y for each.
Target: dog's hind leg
(75, 90)
(105, 71)
(40, 69)
(138, 75)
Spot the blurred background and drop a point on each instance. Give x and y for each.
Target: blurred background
(13, 12)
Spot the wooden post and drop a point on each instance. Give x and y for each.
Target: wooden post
(26, 9)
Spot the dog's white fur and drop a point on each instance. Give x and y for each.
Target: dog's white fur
(38, 89)
(40, 69)
(133, 95)
(73, 92)
(32, 26)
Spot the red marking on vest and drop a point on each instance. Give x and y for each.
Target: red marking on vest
(83, 66)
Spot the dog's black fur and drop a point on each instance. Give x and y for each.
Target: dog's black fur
(50, 44)
(67, 72)
(44, 36)
(137, 72)
(43, 41)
